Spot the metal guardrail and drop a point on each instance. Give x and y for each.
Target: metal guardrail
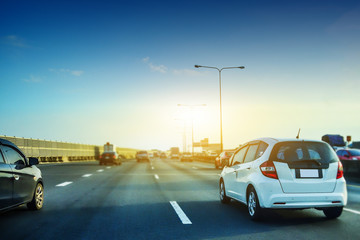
(54, 151)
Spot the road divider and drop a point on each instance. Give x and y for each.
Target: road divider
(184, 219)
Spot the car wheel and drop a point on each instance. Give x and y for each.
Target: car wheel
(38, 198)
(223, 198)
(333, 212)
(253, 205)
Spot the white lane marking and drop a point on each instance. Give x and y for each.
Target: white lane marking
(184, 219)
(63, 184)
(100, 170)
(352, 211)
(108, 167)
(152, 168)
(86, 175)
(349, 185)
(194, 167)
(156, 176)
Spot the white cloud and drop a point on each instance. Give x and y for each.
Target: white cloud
(158, 68)
(155, 68)
(14, 41)
(188, 72)
(33, 79)
(72, 72)
(77, 72)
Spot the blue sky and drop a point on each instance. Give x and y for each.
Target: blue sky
(97, 71)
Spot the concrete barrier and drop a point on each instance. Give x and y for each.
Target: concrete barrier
(54, 151)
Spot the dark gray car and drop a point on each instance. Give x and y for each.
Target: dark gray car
(20, 180)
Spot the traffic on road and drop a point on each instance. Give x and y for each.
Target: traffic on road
(169, 198)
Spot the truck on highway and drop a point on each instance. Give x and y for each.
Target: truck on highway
(109, 155)
(174, 153)
(109, 147)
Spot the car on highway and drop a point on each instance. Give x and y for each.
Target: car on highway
(20, 180)
(142, 156)
(186, 157)
(348, 154)
(110, 158)
(285, 174)
(223, 159)
(163, 155)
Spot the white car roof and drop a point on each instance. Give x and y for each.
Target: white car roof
(276, 140)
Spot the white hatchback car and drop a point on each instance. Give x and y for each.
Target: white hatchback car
(285, 174)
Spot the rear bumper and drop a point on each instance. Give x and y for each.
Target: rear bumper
(271, 195)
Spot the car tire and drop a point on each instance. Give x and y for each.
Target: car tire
(223, 198)
(333, 212)
(38, 198)
(254, 209)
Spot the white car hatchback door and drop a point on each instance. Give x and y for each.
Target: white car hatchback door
(305, 167)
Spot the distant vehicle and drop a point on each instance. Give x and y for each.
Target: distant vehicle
(163, 155)
(186, 157)
(213, 155)
(20, 180)
(109, 158)
(174, 153)
(223, 159)
(348, 154)
(109, 147)
(151, 155)
(142, 156)
(285, 174)
(334, 140)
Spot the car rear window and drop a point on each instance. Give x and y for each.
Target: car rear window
(354, 152)
(302, 152)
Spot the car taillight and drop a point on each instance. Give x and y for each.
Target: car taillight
(268, 169)
(340, 172)
(113, 156)
(100, 157)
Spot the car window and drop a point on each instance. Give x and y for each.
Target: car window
(354, 152)
(339, 153)
(1, 158)
(12, 156)
(262, 148)
(239, 156)
(303, 151)
(250, 155)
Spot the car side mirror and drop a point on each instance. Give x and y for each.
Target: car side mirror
(33, 161)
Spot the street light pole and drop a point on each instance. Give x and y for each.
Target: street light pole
(220, 70)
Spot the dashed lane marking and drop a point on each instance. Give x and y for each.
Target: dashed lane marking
(194, 167)
(63, 184)
(108, 167)
(100, 170)
(156, 176)
(352, 211)
(152, 168)
(184, 219)
(86, 175)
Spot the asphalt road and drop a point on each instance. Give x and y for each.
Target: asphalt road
(164, 199)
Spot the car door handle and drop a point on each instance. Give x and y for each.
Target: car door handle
(16, 177)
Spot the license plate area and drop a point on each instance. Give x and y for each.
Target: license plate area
(308, 173)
